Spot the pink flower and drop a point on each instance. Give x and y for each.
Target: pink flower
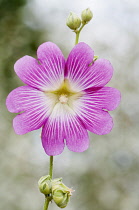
(64, 97)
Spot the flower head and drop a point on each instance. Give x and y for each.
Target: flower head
(64, 97)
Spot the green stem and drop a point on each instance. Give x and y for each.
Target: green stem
(46, 204)
(48, 199)
(51, 167)
(77, 38)
(78, 34)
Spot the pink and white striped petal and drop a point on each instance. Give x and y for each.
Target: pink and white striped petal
(63, 124)
(97, 75)
(28, 121)
(77, 64)
(52, 137)
(45, 74)
(53, 61)
(36, 105)
(77, 139)
(96, 121)
(82, 74)
(92, 116)
(104, 98)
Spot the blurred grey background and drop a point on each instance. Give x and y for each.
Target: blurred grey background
(106, 176)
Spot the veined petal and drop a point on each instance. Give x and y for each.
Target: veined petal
(96, 121)
(77, 64)
(36, 105)
(45, 74)
(76, 135)
(26, 98)
(92, 116)
(53, 61)
(28, 121)
(82, 74)
(104, 98)
(97, 75)
(52, 137)
(63, 124)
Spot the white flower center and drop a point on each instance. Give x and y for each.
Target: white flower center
(63, 99)
(64, 94)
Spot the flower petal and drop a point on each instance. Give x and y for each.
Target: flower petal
(81, 74)
(28, 121)
(53, 61)
(94, 119)
(76, 135)
(63, 124)
(104, 98)
(52, 137)
(46, 75)
(36, 105)
(97, 75)
(77, 63)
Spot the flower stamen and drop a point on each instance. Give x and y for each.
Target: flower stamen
(63, 99)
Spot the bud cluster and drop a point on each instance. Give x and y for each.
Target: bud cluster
(74, 22)
(55, 190)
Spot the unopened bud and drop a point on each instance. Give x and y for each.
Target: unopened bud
(86, 15)
(61, 198)
(73, 21)
(45, 185)
(61, 193)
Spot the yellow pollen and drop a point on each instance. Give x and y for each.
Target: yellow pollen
(63, 99)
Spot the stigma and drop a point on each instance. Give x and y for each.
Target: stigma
(63, 99)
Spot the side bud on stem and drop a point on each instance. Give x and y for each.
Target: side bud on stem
(45, 185)
(54, 190)
(73, 21)
(86, 16)
(61, 193)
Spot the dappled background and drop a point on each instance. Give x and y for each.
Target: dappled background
(106, 176)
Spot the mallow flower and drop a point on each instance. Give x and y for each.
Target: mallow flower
(66, 97)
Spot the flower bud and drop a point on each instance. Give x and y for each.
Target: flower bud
(45, 185)
(73, 21)
(86, 15)
(61, 193)
(61, 198)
